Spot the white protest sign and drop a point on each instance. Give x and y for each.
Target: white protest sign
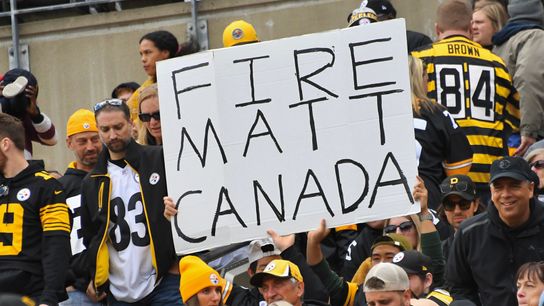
(280, 134)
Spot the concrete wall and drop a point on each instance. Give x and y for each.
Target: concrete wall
(78, 60)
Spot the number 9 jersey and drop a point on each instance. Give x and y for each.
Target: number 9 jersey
(475, 87)
(34, 235)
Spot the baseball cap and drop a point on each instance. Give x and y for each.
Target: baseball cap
(80, 121)
(239, 32)
(382, 7)
(196, 275)
(133, 86)
(460, 185)
(261, 248)
(386, 276)
(279, 268)
(396, 240)
(362, 15)
(513, 167)
(413, 262)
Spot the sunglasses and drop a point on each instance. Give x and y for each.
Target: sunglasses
(460, 186)
(450, 205)
(404, 227)
(539, 164)
(113, 102)
(146, 117)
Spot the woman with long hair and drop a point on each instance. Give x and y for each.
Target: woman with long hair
(199, 285)
(153, 47)
(150, 132)
(442, 148)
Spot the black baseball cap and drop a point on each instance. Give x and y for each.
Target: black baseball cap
(460, 185)
(382, 7)
(413, 262)
(513, 167)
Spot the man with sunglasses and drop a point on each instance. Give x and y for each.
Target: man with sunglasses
(489, 248)
(130, 252)
(459, 202)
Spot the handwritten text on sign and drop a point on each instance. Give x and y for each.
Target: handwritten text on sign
(280, 134)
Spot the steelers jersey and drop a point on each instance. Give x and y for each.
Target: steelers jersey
(442, 149)
(32, 209)
(475, 87)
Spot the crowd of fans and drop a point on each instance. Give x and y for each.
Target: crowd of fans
(101, 233)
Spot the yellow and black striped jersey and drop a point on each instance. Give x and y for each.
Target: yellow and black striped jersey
(34, 234)
(475, 87)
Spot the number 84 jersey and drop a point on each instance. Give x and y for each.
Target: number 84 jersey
(475, 87)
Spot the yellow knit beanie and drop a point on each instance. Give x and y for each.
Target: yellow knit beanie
(196, 275)
(81, 121)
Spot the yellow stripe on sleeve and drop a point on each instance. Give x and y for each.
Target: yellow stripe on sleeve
(55, 217)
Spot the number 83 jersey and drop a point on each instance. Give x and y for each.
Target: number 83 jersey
(477, 90)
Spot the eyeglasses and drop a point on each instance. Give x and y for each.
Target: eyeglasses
(404, 227)
(460, 186)
(113, 102)
(146, 117)
(539, 164)
(450, 205)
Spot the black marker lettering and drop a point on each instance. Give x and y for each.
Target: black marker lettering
(252, 81)
(279, 215)
(402, 179)
(355, 63)
(176, 224)
(186, 89)
(303, 194)
(202, 157)
(268, 132)
(224, 194)
(353, 206)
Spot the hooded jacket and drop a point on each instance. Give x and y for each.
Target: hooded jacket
(34, 238)
(147, 162)
(486, 254)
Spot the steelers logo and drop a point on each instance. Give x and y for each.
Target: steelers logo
(270, 267)
(214, 279)
(154, 178)
(398, 257)
(237, 33)
(23, 194)
(504, 164)
(86, 125)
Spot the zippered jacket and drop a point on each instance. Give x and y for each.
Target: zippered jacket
(148, 163)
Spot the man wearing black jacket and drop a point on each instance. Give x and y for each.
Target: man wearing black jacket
(489, 248)
(130, 252)
(34, 223)
(82, 139)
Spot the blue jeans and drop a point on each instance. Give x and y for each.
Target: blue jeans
(166, 293)
(77, 298)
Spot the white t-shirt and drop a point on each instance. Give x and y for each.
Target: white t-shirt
(131, 275)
